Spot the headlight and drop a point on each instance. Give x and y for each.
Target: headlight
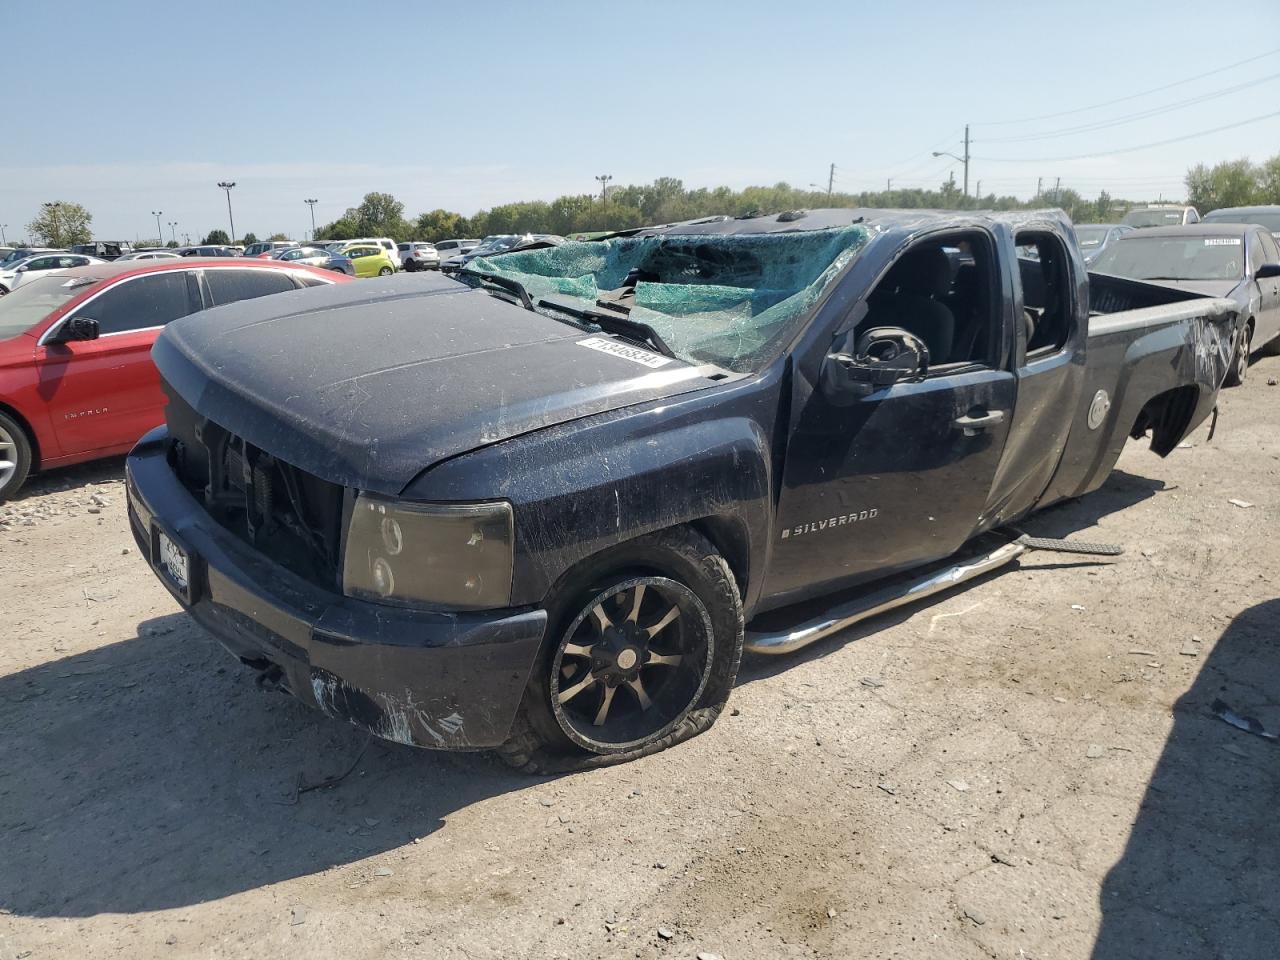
(452, 555)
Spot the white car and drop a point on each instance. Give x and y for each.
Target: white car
(455, 248)
(150, 255)
(19, 272)
(418, 256)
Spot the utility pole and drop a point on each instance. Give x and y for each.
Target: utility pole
(977, 191)
(173, 231)
(227, 185)
(311, 204)
(888, 185)
(1039, 181)
(604, 179)
(964, 159)
(159, 231)
(831, 180)
(1057, 190)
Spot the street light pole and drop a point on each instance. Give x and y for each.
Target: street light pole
(159, 229)
(964, 159)
(604, 179)
(311, 204)
(173, 231)
(227, 185)
(3, 240)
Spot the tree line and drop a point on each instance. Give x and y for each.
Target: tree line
(1230, 183)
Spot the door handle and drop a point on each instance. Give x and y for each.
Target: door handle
(973, 425)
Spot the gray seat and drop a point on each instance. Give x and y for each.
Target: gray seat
(910, 297)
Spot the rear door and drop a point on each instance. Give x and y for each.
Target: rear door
(1050, 299)
(230, 284)
(105, 393)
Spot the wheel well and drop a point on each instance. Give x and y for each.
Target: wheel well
(1167, 416)
(725, 534)
(21, 421)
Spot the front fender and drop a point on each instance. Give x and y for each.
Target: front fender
(580, 488)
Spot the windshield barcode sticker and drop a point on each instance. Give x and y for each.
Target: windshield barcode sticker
(1222, 241)
(634, 354)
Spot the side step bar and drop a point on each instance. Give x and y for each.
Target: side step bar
(880, 601)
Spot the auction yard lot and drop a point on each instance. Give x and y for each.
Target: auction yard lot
(1025, 768)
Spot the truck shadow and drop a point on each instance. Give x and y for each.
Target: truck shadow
(1121, 491)
(1199, 874)
(152, 773)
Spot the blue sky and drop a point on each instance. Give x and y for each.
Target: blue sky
(132, 107)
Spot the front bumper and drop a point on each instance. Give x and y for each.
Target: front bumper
(430, 679)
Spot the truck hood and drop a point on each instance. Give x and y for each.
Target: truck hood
(368, 384)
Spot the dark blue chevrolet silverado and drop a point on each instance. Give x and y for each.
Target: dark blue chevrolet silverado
(545, 506)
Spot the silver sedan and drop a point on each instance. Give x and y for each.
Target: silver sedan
(316, 257)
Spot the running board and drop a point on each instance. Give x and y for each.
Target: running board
(880, 601)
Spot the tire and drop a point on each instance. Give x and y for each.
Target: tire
(385, 272)
(1239, 368)
(409, 267)
(3, 290)
(657, 674)
(15, 457)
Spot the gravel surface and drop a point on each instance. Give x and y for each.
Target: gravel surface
(1025, 768)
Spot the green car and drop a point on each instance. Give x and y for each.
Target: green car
(369, 260)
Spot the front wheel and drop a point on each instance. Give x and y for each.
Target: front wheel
(385, 272)
(642, 656)
(1239, 368)
(15, 457)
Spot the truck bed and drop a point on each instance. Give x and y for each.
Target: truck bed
(1156, 356)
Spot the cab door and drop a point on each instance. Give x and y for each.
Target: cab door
(105, 393)
(899, 477)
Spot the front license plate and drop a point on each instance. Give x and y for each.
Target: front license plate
(173, 560)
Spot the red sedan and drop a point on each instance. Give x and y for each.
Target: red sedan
(76, 378)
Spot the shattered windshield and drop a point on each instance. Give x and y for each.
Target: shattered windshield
(726, 299)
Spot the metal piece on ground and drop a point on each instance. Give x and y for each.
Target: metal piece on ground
(1070, 546)
(1248, 724)
(881, 601)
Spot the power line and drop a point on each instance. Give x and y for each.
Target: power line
(1144, 146)
(1132, 96)
(1140, 115)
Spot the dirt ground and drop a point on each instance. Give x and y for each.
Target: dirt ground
(1026, 768)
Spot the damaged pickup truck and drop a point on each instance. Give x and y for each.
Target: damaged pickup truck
(544, 507)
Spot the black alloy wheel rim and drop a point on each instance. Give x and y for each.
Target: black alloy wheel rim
(632, 664)
(1242, 353)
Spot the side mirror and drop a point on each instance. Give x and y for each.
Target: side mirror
(21, 270)
(883, 356)
(79, 328)
(1267, 270)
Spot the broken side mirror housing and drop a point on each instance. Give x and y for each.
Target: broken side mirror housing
(79, 328)
(882, 356)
